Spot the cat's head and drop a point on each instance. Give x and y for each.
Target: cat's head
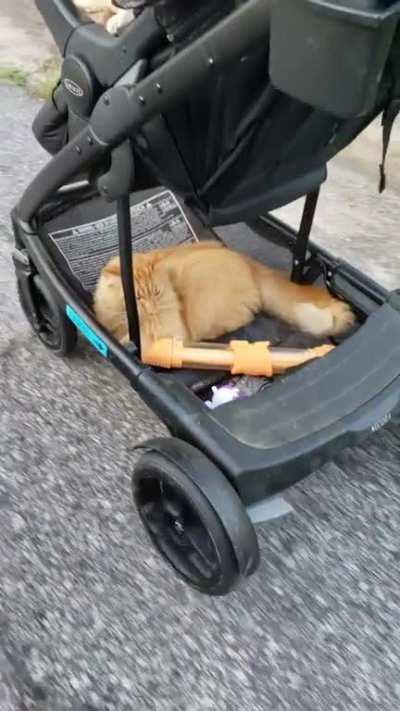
(152, 289)
(149, 282)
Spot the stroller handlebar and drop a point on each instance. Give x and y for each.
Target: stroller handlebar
(61, 17)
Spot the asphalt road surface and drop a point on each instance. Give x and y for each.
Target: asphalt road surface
(92, 620)
(24, 41)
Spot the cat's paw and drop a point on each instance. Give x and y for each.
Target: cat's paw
(343, 317)
(331, 320)
(117, 22)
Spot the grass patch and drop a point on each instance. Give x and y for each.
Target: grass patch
(13, 75)
(39, 84)
(42, 82)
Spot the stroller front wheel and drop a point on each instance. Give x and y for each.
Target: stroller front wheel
(46, 317)
(194, 517)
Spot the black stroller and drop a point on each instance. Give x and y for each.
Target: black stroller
(236, 107)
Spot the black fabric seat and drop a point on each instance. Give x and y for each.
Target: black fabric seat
(238, 147)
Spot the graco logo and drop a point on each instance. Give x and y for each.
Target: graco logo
(73, 87)
(381, 423)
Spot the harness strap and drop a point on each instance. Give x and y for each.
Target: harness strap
(388, 118)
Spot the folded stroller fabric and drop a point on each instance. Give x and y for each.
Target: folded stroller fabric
(136, 5)
(183, 21)
(50, 126)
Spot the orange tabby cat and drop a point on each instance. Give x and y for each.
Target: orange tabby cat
(202, 291)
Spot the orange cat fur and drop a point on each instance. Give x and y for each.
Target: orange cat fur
(202, 291)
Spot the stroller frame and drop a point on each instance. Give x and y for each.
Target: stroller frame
(198, 493)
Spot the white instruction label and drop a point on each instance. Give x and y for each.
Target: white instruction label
(157, 222)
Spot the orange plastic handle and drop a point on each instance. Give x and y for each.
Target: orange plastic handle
(238, 357)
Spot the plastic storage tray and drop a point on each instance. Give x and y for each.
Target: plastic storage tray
(331, 55)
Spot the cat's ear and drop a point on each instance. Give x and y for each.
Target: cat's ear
(113, 267)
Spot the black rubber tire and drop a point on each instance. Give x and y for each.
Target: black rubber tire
(194, 516)
(49, 322)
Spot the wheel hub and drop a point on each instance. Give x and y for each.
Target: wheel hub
(178, 531)
(179, 527)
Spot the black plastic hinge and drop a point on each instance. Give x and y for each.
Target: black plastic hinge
(120, 179)
(388, 118)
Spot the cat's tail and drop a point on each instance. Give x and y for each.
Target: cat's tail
(308, 308)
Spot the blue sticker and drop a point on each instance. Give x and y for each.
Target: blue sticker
(86, 331)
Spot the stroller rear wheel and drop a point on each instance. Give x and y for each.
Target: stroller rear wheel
(194, 517)
(46, 317)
